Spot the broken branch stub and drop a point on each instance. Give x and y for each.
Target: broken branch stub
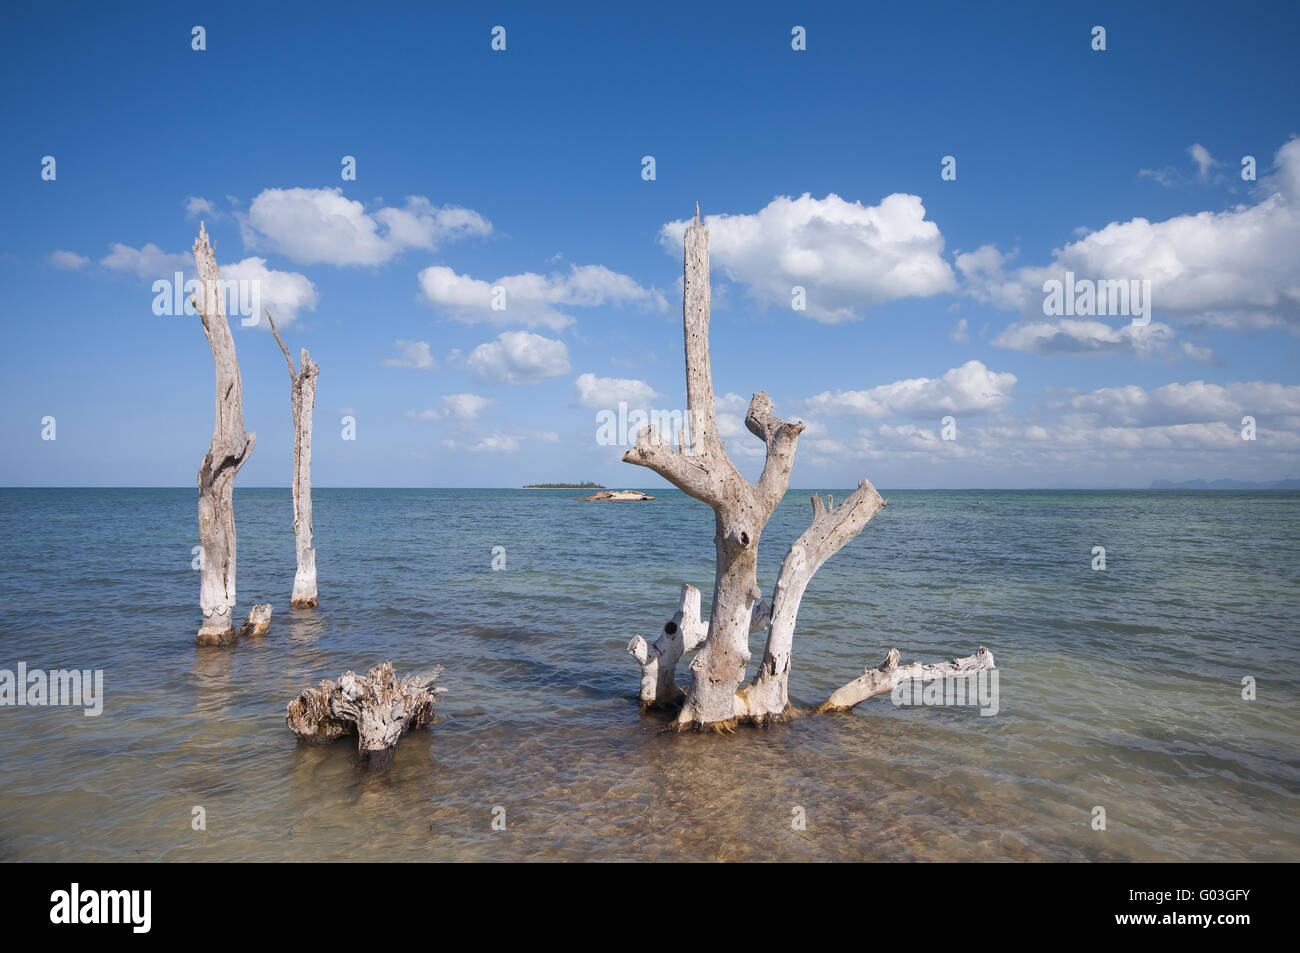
(257, 622)
(683, 633)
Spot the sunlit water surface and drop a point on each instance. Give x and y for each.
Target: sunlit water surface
(1120, 689)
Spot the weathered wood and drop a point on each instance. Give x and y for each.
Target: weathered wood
(701, 468)
(766, 696)
(683, 633)
(229, 450)
(878, 681)
(257, 622)
(377, 707)
(302, 400)
(741, 509)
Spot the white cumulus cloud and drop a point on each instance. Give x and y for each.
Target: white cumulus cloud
(147, 262)
(283, 293)
(455, 407)
(1234, 269)
(969, 389)
(415, 355)
(68, 260)
(519, 357)
(848, 257)
(1193, 402)
(1085, 336)
(531, 299)
(603, 392)
(323, 226)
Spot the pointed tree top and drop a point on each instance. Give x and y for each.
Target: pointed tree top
(203, 237)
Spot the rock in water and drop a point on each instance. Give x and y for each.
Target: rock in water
(619, 496)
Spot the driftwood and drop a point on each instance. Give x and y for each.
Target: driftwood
(229, 450)
(377, 707)
(878, 681)
(701, 468)
(302, 399)
(257, 622)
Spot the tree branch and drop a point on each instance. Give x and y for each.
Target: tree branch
(828, 533)
(878, 681)
(690, 473)
(292, 373)
(781, 438)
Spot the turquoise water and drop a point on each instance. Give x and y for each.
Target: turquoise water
(1119, 689)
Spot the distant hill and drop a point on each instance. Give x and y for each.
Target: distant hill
(1226, 485)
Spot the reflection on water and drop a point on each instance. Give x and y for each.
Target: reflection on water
(1118, 688)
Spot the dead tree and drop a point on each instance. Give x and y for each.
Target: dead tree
(302, 399)
(229, 450)
(701, 468)
(377, 708)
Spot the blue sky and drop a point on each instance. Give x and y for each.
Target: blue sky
(522, 169)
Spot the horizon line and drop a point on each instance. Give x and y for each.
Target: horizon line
(810, 489)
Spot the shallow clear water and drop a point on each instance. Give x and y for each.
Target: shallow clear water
(1119, 688)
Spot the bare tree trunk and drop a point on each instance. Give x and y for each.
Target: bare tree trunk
(229, 450)
(703, 470)
(302, 398)
(377, 708)
(767, 695)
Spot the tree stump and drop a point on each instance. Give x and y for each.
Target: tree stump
(377, 707)
(257, 621)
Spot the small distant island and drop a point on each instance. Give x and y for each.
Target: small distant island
(565, 486)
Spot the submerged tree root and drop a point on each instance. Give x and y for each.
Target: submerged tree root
(873, 681)
(376, 707)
